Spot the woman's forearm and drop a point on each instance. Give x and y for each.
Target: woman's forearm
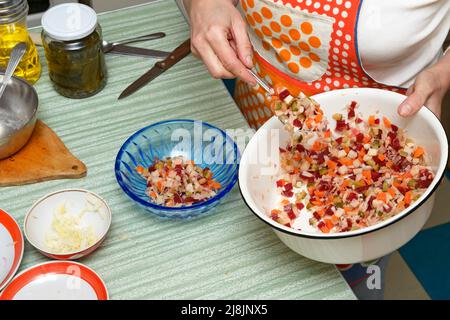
(443, 65)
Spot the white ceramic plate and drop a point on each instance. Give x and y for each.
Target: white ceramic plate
(56, 280)
(11, 248)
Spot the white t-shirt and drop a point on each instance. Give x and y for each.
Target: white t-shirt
(397, 39)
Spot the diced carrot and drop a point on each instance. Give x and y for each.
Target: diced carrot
(153, 194)
(321, 213)
(285, 202)
(215, 185)
(318, 110)
(389, 164)
(367, 138)
(319, 194)
(418, 152)
(382, 196)
(371, 120)
(324, 229)
(347, 149)
(317, 146)
(331, 164)
(347, 209)
(308, 122)
(361, 153)
(317, 203)
(334, 218)
(382, 157)
(346, 161)
(160, 186)
(311, 190)
(296, 170)
(386, 122)
(140, 169)
(331, 173)
(345, 184)
(327, 134)
(408, 197)
(391, 192)
(407, 175)
(367, 174)
(328, 223)
(275, 211)
(318, 118)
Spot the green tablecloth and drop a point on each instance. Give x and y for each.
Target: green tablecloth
(230, 254)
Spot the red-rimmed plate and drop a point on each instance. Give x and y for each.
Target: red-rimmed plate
(11, 248)
(56, 280)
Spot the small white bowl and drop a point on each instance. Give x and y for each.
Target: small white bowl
(39, 219)
(258, 172)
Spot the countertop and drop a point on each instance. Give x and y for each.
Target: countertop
(227, 255)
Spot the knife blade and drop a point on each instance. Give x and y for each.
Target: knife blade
(135, 51)
(160, 67)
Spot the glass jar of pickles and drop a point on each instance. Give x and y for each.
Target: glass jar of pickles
(72, 41)
(13, 29)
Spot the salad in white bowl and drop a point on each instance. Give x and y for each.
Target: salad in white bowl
(354, 183)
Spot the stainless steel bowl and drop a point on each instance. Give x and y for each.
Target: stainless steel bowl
(18, 109)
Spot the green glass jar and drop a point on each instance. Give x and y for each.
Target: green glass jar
(72, 41)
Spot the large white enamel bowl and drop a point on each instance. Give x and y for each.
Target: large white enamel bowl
(259, 170)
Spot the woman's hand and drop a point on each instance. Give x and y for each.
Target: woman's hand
(428, 90)
(219, 37)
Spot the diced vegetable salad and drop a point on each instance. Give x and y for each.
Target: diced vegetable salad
(176, 182)
(364, 172)
(302, 112)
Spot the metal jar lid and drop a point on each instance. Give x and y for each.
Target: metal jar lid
(69, 21)
(12, 10)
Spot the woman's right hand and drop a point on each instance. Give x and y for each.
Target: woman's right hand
(219, 38)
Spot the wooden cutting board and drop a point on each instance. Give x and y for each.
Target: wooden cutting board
(44, 158)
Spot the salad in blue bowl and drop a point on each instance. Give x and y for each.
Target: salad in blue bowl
(178, 169)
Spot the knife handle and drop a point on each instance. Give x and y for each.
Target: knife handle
(176, 55)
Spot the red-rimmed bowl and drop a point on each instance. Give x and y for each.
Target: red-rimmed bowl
(56, 280)
(11, 248)
(38, 221)
(259, 170)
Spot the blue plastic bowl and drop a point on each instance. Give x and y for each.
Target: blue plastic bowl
(207, 145)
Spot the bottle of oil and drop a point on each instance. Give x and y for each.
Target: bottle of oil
(13, 29)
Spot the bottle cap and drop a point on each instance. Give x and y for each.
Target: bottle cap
(69, 21)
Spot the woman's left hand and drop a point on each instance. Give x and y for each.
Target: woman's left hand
(428, 89)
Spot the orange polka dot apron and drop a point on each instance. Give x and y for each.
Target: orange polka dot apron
(303, 45)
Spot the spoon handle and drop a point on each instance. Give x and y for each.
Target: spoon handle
(16, 55)
(152, 36)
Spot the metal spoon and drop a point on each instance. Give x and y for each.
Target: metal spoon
(271, 92)
(262, 83)
(16, 55)
(108, 46)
